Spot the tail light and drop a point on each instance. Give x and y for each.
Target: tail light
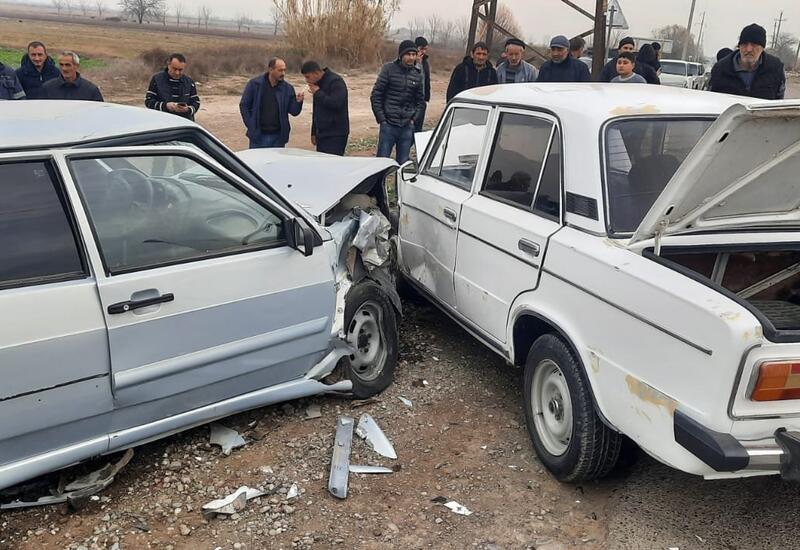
(777, 381)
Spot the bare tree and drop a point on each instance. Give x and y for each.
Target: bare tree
(205, 14)
(178, 12)
(504, 18)
(417, 26)
(142, 9)
(58, 5)
(461, 31)
(277, 16)
(446, 33)
(785, 48)
(100, 6)
(243, 20)
(435, 23)
(83, 5)
(68, 5)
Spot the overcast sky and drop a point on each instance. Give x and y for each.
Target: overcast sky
(544, 18)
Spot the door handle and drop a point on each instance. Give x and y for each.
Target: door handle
(131, 305)
(450, 214)
(528, 247)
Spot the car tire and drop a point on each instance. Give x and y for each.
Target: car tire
(370, 323)
(568, 435)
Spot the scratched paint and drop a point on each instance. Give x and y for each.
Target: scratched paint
(649, 394)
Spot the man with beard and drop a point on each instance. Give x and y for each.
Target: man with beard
(562, 67)
(750, 71)
(476, 70)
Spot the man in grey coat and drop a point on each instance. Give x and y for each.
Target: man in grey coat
(515, 69)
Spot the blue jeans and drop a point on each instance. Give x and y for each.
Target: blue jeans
(266, 141)
(391, 136)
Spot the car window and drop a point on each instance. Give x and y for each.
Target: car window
(143, 218)
(673, 67)
(518, 156)
(641, 157)
(548, 197)
(38, 242)
(457, 152)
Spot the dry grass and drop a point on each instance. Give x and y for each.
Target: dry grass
(348, 30)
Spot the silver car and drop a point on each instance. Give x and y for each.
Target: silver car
(152, 281)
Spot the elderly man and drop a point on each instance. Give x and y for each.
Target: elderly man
(330, 121)
(35, 69)
(423, 64)
(397, 99)
(10, 88)
(266, 104)
(515, 69)
(70, 85)
(562, 67)
(476, 70)
(750, 71)
(172, 91)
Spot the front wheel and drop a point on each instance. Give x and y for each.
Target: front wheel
(567, 433)
(371, 330)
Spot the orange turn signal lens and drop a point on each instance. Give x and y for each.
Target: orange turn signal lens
(777, 381)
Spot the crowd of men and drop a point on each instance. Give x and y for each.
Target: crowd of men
(402, 90)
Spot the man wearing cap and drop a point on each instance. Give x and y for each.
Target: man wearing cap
(562, 67)
(628, 44)
(425, 67)
(514, 69)
(750, 71)
(397, 100)
(476, 70)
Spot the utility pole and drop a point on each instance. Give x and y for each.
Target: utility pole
(688, 32)
(699, 44)
(607, 51)
(797, 57)
(599, 43)
(778, 31)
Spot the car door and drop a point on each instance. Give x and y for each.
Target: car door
(505, 227)
(54, 364)
(202, 294)
(431, 202)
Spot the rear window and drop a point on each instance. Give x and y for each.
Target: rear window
(641, 156)
(671, 67)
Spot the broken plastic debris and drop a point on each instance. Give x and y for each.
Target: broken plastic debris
(362, 469)
(368, 429)
(232, 503)
(340, 462)
(313, 411)
(372, 238)
(293, 491)
(405, 401)
(79, 491)
(226, 438)
(419, 383)
(452, 505)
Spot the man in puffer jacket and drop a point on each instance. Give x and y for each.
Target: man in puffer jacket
(35, 69)
(397, 100)
(476, 70)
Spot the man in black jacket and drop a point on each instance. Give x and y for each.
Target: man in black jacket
(70, 85)
(476, 70)
(35, 69)
(424, 65)
(750, 71)
(330, 121)
(172, 91)
(562, 67)
(397, 99)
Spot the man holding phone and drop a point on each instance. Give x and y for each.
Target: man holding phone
(172, 91)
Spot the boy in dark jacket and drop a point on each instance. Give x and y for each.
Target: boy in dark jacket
(330, 121)
(172, 91)
(35, 69)
(266, 104)
(397, 100)
(562, 67)
(476, 70)
(750, 71)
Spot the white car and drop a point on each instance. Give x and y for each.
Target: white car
(151, 280)
(677, 73)
(637, 252)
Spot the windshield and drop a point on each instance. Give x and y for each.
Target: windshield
(641, 156)
(672, 67)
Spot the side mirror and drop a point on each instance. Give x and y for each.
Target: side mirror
(408, 171)
(302, 236)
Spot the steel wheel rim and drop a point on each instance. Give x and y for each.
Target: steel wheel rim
(551, 407)
(365, 335)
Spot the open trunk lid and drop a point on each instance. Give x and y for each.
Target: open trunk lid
(744, 172)
(315, 181)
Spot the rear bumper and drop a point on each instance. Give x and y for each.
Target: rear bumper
(724, 453)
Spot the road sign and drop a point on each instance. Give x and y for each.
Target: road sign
(615, 17)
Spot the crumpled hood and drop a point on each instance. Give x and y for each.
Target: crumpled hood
(315, 181)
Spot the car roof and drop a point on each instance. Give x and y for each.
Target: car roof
(45, 123)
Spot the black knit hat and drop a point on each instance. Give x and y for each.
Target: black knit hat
(420, 42)
(627, 40)
(754, 34)
(406, 46)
